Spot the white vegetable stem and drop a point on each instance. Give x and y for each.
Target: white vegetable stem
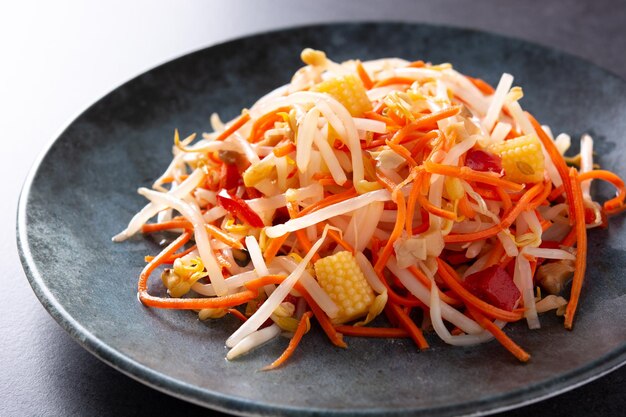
(258, 318)
(151, 209)
(200, 234)
(253, 340)
(328, 212)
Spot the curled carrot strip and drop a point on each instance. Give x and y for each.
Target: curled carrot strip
(303, 326)
(615, 204)
(364, 76)
(242, 120)
(407, 324)
(581, 248)
(471, 175)
(500, 336)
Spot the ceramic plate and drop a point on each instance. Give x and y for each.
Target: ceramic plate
(83, 191)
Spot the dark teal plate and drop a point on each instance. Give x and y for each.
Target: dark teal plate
(82, 192)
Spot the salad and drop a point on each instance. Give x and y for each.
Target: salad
(382, 188)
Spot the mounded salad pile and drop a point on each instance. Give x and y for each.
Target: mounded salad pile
(386, 187)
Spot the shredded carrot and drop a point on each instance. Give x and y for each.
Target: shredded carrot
(170, 259)
(237, 124)
(223, 237)
(426, 120)
(524, 204)
(376, 332)
(615, 204)
(392, 81)
(403, 152)
(304, 241)
(558, 162)
(328, 201)
(448, 275)
(364, 76)
(303, 326)
(581, 248)
(284, 150)
(237, 313)
(168, 225)
(484, 87)
(500, 336)
(274, 246)
(407, 324)
(465, 208)
(469, 174)
(264, 122)
(416, 64)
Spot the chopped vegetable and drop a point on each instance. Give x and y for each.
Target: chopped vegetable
(340, 276)
(522, 159)
(368, 187)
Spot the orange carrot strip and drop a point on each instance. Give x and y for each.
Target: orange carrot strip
(558, 191)
(168, 225)
(581, 248)
(302, 328)
(173, 257)
(465, 208)
(237, 314)
(284, 150)
(428, 206)
(223, 237)
(261, 124)
(328, 201)
(375, 116)
(428, 284)
(403, 152)
(364, 76)
(274, 246)
(483, 86)
(397, 229)
(393, 80)
(558, 161)
(616, 203)
(416, 64)
(448, 275)
(304, 241)
(411, 328)
(426, 120)
(184, 303)
(472, 175)
(377, 332)
(336, 237)
(237, 124)
(524, 204)
(500, 336)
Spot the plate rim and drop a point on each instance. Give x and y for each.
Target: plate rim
(239, 405)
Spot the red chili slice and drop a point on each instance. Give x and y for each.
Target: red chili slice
(495, 286)
(480, 160)
(239, 208)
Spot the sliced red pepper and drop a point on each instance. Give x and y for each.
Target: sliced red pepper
(239, 208)
(480, 160)
(230, 177)
(495, 286)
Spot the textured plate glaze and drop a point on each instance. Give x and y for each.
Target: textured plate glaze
(82, 192)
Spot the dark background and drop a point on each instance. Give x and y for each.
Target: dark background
(59, 57)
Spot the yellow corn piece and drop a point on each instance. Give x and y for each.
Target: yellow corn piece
(342, 279)
(522, 159)
(349, 91)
